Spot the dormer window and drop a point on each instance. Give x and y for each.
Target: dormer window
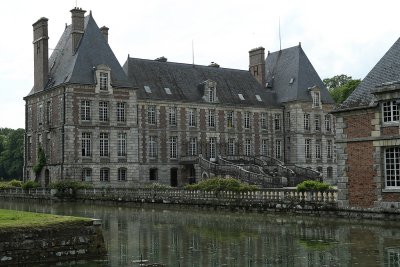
(390, 111)
(104, 81)
(316, 96)
(210, 91)
(211, 94)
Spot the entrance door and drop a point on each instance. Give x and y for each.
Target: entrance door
(46, 178)
(174, 177)
(192, 174)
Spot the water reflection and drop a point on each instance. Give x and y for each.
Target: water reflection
(197, 238)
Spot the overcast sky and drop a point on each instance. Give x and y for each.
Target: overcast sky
(338, 36)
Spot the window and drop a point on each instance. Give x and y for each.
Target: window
(173, 147)
(121, 115)
(48, 113)
(211, 94)
(103, 111)
(329, 172)
(316, 99)
(258, 98)
(40, 114)
(122, 174)
(241, 97)
(390, 111)
(103, 81)
(264, 147)
(329, 151)
(168, 91)
(288, 120)
(328, 123)
(121, 144)
(231, 146)
(229, 119)
(29, 148)
(317, 120)
(153, 175)
(172, 116)
(193, 146)
(306, 122)
(85, 110)
(192, 117)
(104, 175)
(392, 167)
(247, 120)
(213, 147)
(104, 145)
(278, 149)
(211, 117)
(318, 153)
(153, 147)
(264, 121)
(147, 89)
(86, 175)
(247, 146)
(277, 122)
(151, 115)
(86, 144)
(307, 148)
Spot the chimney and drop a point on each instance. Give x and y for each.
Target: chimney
(257, 64)
(104, 31)
(78, 27)
(40, 54)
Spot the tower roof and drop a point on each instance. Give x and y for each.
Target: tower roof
(386, 70)
(66, 67)
(289, 73)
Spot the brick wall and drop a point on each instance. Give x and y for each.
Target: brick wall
(359, 125)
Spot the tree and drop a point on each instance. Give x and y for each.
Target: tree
(11, 153)
(340, 87)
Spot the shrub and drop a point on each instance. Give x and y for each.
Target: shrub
(221, 184)
(158, 186)
(5, 185)
(37, 168)
(310, 185)
(15, 183)
(63, 185)
(30, 185)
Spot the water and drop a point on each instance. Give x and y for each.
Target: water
(192, 237)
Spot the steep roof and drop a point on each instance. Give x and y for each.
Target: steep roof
(290, 74)
(386, 70)
(185, 82)
(68, 68)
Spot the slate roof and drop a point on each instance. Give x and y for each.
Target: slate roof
(386, 70)
(68, 68)
(292, 63)
(184, 81)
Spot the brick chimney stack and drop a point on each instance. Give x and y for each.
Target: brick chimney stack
(104, 31)
(40, 54)
(78, 27)
(257, 64)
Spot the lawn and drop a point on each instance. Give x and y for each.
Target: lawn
(16, 219)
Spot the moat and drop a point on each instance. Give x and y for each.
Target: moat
(176, 236)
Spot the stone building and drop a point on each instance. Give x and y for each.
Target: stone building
(368, 141)
(150, 119)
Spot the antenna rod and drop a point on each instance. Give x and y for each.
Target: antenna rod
(280, 39)
(192, 52)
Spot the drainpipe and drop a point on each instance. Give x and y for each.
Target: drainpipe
(284, 134)
(63, 137)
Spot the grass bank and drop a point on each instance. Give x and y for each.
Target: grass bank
(22, 219)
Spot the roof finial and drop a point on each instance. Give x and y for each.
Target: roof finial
(192, 53)
(280, 39)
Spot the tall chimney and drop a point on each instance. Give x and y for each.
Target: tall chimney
(257, 64)
(104, 31)
(40, 54)
(78, 27)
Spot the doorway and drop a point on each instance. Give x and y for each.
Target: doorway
(174, 177)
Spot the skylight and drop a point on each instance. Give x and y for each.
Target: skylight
(291, 80)
(168, 91)
(241, 96)
(147, 89)
(258, 98)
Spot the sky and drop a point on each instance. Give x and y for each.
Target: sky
(339, 37)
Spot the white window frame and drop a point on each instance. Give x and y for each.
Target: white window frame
(121, 112)
(212, 144)
(211, 118)
(85, 110)
(153, 147)
(264, 121)
(390, 112)
(264, 147)
(247, 147)
(172, 115)
(328, 123)
(277, 122)
(278, 149)
(104, 145)
(316, 97)
(152, 115)
(192, 117)
(193, 146)
(392, 167)
(86, 145)
(306, 122)
(173, 147)
(317, 121)
(103, 111)
(231, 146)
(211, 94)
(230, 119)
(329, 149)
(247, 119)
(121, 144)
(103, 78)
(318, 149)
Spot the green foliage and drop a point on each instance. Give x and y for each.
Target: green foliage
(340, 87)
(316, 244)
(11, 153)
(30, 185)
(221, 184)
(310, 185)
(5, 185)
(41, 161)
(15, 183)
(158, 186)
(63, 185)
